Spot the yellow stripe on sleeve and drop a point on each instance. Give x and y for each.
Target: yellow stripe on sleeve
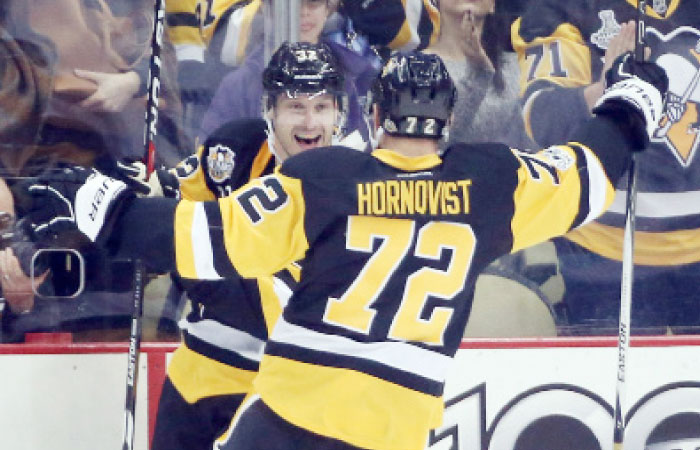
(543, 207)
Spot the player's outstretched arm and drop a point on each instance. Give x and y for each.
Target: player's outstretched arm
(103, 209)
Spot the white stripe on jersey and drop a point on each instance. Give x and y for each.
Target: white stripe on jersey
(229, 49)
(201, 245)
(282, 291)
(399, 355)
(414, 9)
(225, 337)
(658, 205)
(597, 183)
(189, 52)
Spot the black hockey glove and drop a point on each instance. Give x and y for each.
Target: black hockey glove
(161, 183)
(69, 200)
(634, 97)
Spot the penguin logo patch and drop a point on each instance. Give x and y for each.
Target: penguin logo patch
(679, 54)
(220, 163)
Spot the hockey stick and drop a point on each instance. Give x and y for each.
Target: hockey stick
(133, 362)
(623, 337)
(139, 271)
(153, 88)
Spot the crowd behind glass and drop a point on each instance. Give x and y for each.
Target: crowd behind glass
(72, 91)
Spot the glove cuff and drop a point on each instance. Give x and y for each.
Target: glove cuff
(640, 95)
(96, 203)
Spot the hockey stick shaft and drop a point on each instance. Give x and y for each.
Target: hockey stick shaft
(624, 329)
(150, 131)
(134, 352)
(153, 87)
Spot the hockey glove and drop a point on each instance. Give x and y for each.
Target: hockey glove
(72, 199)
(634, 97)
(161, 183)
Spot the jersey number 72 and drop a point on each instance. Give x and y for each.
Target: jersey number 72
(353, 310)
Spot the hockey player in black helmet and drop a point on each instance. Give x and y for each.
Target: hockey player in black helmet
(212, 370)
(414, 96)
(390, 242)
(303, 76)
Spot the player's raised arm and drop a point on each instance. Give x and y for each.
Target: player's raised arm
(590, 164)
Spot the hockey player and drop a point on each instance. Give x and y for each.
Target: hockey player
(390, 243)
(564, 48)
(211, 371)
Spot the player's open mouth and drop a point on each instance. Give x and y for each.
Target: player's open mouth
(308, 141)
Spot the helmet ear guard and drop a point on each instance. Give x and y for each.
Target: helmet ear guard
(415, 96)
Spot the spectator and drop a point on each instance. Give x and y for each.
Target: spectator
(473, 42)
(16, 285)
(31, 306)
(564, 49)
(29, 73)
(25, 87)
(211, 38)
(99, 72)
(239, 94)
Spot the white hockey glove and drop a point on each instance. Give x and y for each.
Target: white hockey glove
(634, 97)
(69, 200)
(161, 183)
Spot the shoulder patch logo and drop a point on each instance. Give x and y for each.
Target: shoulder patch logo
(608, 30)
(558, 158)
(220, 163)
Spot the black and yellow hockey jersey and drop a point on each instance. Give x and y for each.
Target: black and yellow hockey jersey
(225, 28)
(226, 330)
(561, 45)
(397, 24)
(390, 248)
(192, 25)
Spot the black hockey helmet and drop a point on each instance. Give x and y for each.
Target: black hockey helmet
(301, 67)
(415, 95)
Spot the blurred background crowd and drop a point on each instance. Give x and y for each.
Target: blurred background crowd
(73, 84)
